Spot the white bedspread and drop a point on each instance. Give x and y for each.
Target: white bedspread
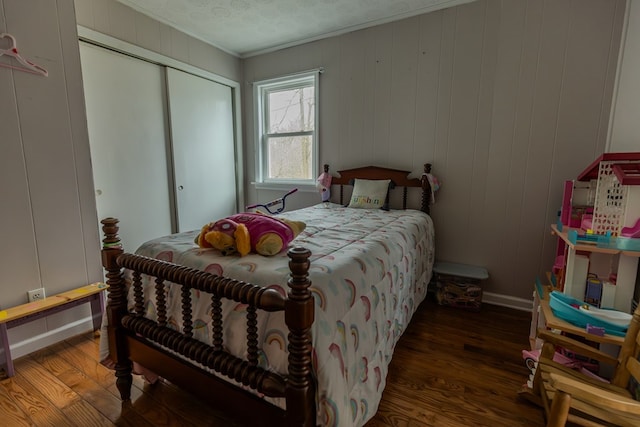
(369, 271)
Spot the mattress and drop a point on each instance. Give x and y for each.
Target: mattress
(369, 271)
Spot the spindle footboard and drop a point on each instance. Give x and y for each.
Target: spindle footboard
(177, 356)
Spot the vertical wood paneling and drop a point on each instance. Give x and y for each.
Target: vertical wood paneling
(625, 125)
(200, 54)
(122, 23)
(48, 204)
(100, 17)
(443, 111)
(84, 11)
(557, 25)
(340, 122)
(329, 52)
(20, 264)
(478, 222)
(368, 102)
(308, 59)
(500, 173)
(496, 94)
(148, 33)
(352, 63)
(586, 64)
(424, 135)
(526, 95)
(249, 154)
(82, 155)
(165, 40)
(382, 92)
(465, 85)
(46, 141)
(180, 46)
(579, 132)
(404, 69)
(279, 63)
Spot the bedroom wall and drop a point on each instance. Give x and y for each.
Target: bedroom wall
(48, 218)
(506, 99)
(117, 20)
(625, 114)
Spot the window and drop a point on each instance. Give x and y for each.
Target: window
(286, 121)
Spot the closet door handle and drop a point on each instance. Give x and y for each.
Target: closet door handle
(180, 187)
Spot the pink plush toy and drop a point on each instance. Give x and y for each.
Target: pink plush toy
(249, 232)
(324, 184)
(432, 181)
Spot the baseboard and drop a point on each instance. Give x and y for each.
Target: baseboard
(507, 301)
(23, 346)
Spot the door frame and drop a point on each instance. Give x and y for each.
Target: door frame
(94, 37)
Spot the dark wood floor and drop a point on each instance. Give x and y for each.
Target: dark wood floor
(451, 368)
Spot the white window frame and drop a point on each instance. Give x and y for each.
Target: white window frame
(260, 99)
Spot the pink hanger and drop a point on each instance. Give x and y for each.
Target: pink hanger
(27, 65)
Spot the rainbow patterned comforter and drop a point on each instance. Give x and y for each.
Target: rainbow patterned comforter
(369, 271)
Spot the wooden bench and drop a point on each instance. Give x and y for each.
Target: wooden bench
(25, 313)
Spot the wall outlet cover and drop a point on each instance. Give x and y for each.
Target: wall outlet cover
(36, 294)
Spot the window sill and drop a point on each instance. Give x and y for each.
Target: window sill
(285, 186)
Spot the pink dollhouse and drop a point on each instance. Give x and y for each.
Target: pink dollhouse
(604, 200)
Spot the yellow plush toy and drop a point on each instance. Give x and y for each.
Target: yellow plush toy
(247, 232)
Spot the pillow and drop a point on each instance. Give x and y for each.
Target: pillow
(369, 193)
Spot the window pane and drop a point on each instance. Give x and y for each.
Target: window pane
(290, 157)
(291, 110)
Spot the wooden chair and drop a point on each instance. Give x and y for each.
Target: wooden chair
(569, 395)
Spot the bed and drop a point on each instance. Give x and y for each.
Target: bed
(301, 338)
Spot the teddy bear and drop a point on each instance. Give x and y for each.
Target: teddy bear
(249, 232)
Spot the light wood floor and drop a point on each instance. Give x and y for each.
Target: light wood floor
(451, 368)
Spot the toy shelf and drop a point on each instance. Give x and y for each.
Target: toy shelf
(623, 262)
(553, 322)
(589, 247)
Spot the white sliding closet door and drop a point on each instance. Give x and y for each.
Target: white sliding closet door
(126, 118)
(201, 116)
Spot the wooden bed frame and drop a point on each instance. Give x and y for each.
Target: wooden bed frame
(132, 337)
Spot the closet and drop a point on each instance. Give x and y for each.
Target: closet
(162, 145)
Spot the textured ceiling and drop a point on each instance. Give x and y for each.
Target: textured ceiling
(249, 27)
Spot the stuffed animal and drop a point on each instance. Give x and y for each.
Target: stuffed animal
(249, 232)
(323, 184)
(430, 181)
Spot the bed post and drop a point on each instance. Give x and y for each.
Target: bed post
(116, 306)
(426, 188)
(299, 315)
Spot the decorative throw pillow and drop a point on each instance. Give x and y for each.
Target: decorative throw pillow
(369, 193)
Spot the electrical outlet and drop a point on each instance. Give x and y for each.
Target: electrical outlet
(36, 294)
